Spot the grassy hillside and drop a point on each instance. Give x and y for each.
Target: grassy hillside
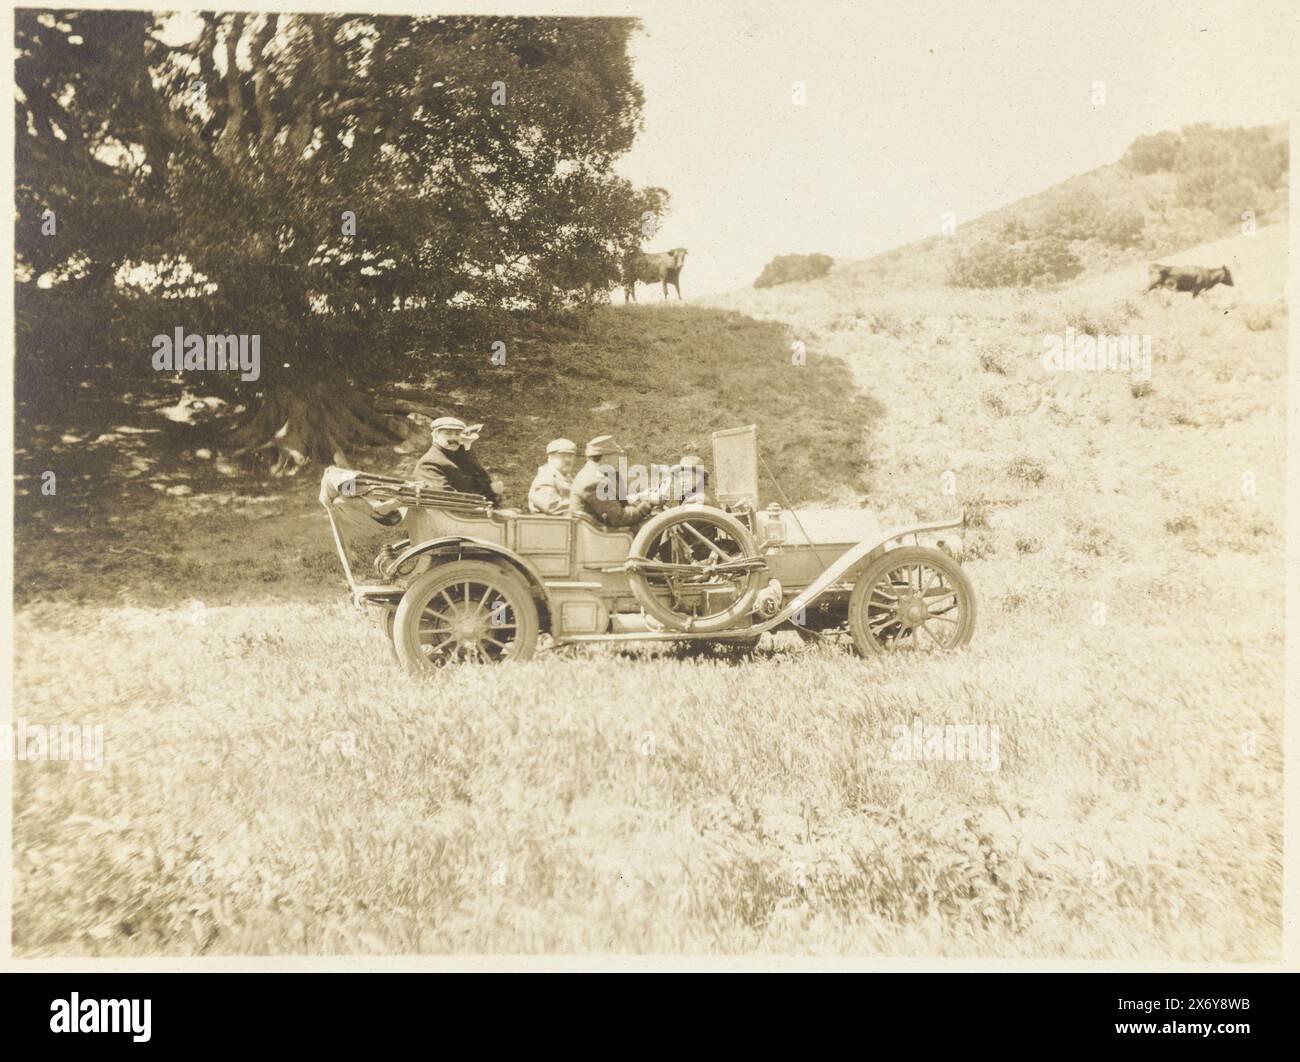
(1143, 497)
(273, 785)
(1217, 175)
(660, 380)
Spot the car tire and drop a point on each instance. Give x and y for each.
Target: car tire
(450, 612)
(649, 539)
(885, 614)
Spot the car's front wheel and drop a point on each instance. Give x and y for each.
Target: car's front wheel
(464, 611)
(911, 598)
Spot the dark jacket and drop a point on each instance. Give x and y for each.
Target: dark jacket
(455, 470)
(586, 497)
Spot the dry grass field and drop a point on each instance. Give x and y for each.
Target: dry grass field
(272, 784)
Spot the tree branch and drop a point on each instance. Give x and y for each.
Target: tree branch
(228, 142)
(262, 80)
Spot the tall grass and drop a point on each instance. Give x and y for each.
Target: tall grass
(274, 785)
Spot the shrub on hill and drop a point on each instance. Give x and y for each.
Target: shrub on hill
(788, 268)
(1224, 171)
(1042, 259)
(1085, 216)
(1227, 171)
(1153, 154)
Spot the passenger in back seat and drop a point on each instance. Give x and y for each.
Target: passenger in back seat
(449, 465)
(554, 480)
(596, 491)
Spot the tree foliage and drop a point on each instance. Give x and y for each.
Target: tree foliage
(308, 178)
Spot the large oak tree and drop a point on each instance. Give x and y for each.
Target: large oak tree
(311, 179)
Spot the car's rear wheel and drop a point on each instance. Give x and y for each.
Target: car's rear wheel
(464, 611)
(913, 598)
(695, 568)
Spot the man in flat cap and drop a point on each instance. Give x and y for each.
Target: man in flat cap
(448, 464)
(595, 489)
(554, 480)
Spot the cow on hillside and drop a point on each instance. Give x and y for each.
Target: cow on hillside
(1195, 279)
(664, 268)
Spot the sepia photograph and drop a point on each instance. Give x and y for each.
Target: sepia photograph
(649, 487)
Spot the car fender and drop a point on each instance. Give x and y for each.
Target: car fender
(851, 558)
(469, 546)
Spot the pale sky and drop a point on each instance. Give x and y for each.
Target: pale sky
(916, 109)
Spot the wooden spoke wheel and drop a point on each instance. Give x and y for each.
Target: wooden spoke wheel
(464, 611)
(695, 568)
(914, 598)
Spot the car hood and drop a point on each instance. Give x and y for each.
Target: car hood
(831, 525)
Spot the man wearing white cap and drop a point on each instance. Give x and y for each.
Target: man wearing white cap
(448, 464)
(554, 480)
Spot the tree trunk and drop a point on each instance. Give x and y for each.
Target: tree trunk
(301, 421)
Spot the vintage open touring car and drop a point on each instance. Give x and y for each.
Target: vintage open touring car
(471, 582)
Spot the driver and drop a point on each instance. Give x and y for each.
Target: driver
(691, 482)
(595, 489)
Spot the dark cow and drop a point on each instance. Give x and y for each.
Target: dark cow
(664, 268)
(1195, 279)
